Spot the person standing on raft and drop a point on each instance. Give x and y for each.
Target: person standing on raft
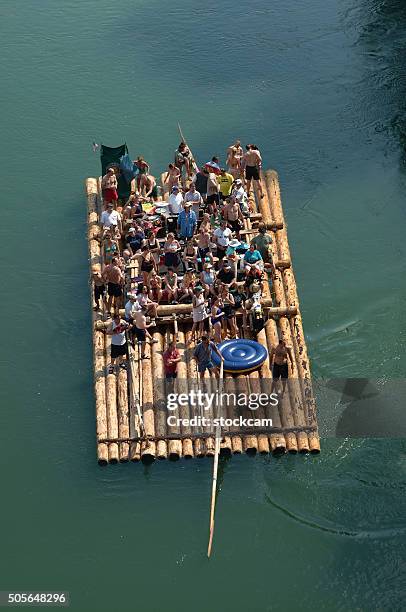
(117, 330)
(278, 360)
(140, 328)
(109, 187)
(114, 277)
(252, 162)
(203, 354)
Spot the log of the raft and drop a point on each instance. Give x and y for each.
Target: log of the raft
(249, 441)
(277, 441)
(99, 361)
(265, 209)
(159, 396)
(148, 447)
(255, 387)
(306, 383)
(284, 407)
(123, 416)
(170, 309)
(199, 446)
(184, 411)
(112, 420)
(174, 445)
(136, 425)
(99, 339)
(274, 195)
(295, 391)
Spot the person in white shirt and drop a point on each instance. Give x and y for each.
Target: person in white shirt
(130, 306)
(175, 201)
(117, 330)
(110, 217)
(221, 237)
(240, 195)
(195, 197)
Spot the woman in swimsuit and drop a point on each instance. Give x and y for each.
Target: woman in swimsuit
(229, 308)
(171, 250)
(155, 287)
(170, 292)
(189, 258)
(208, 278)
(217, 315)
(110, 248)
(185, 293)
(147, 263)
(154, 245)
(206, 223)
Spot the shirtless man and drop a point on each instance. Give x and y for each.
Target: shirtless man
(233, 215)
(114, 277)
(252, 162)
(204, 246)
(109, 187)
(99, 287)
(172, 177)
(140, 329)
(151, 190)
(234, 158)
(278, 360)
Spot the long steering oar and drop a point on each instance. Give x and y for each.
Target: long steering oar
(215, 464)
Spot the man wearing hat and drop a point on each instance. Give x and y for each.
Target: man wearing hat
(226, 275)
(187, 222)
(175, 201)
(135, 238)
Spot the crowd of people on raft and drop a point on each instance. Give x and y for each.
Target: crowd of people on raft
(190, 247)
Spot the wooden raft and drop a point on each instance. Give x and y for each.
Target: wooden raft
(131, 415)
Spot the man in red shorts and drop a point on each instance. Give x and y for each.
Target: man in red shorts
(109, 187)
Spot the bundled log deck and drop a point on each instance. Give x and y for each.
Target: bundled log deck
(131, 413)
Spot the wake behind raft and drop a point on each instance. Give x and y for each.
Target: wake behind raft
(240, 355)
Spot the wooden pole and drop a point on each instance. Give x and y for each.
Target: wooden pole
(294, 389)
(184, 411)
(215, 469)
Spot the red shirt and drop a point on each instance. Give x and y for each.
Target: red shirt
(170, 368)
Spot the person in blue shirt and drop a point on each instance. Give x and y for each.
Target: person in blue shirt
(187, 222)
(253, 257)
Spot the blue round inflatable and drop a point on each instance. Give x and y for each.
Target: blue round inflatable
(241, 355)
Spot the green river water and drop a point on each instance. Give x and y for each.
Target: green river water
(320, 85)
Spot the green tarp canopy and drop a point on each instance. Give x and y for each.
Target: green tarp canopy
(111, 156)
